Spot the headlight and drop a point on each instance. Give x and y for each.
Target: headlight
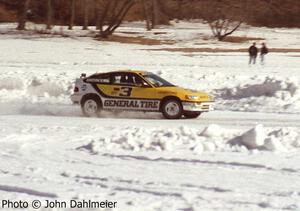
(191, 97)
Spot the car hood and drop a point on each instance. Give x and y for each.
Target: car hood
(182, 93)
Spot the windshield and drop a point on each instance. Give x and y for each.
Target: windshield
(156, 80)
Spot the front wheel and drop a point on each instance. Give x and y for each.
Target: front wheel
(91, 106)
(191, 114)
(172, 109)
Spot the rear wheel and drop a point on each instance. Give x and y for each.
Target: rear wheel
(172, 109)
(91, 106)
(191, 114)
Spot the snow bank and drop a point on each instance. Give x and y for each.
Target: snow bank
(212, 130)
(141, 139)
(271, 87)
(10, 83)
(273, 144)
(272, 95)
(281, 140)
(210, 139)
(253, 138)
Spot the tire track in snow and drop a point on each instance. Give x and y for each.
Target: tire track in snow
(197, 161)
(119, 184)
(27, 191)
(226, 118)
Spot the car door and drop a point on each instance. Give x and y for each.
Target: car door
(148, 97)
(130, 91)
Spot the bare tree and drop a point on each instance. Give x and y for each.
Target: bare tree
(146, 14)
(222, 23)
(97, 13)
(49, 14)
(85, 14)
(154, 13)
(222, 28)
(158, 13)
(114, 11)
(72, 14)
(22, 13)
(179, 9)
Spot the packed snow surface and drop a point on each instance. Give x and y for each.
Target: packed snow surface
(242, 156)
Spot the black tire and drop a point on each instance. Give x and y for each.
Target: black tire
(172, 109)
(191, 114)
(91, 106)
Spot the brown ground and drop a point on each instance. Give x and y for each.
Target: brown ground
(222, 50)
(137, 40)
(236, 39)
(147, 41)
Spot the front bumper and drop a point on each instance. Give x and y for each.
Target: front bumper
(198, 106)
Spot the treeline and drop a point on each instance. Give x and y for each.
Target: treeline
(271, 13)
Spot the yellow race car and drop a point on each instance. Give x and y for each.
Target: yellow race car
(138, 91)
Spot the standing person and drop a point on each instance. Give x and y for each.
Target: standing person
(263, 51)
(252, 53)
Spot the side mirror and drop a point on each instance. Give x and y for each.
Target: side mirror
(142, 85)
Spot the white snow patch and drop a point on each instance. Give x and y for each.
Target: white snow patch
(10, 83)
(254, 137)
(274, 144)
(45, 89)
(212, 130)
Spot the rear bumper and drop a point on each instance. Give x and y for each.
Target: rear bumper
(198, 106)
(76, 98)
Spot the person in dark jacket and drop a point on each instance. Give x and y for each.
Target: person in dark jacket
(263, 51)
(252, 53)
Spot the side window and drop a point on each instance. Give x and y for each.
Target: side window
(123, 79)
(128, 79)
(140, 82)
(116, 79)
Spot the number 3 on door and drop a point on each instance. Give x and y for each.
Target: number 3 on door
(125, 92)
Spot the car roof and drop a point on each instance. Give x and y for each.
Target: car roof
(131, 71)
(123, 71)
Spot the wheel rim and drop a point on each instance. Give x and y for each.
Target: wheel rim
(90, 107)
(172, 109)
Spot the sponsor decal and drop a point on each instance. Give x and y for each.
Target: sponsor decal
(132, 104)
(98, 80)
(83, 87)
